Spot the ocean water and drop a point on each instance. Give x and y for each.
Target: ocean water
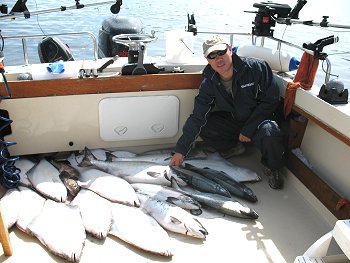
(220, 16)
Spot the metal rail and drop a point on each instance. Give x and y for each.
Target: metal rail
(262, 40)
(24, 41)
(15, 15)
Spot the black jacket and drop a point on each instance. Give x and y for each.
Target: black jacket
(255, 96)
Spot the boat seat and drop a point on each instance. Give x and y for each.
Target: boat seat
(4, 237)
(317, 253)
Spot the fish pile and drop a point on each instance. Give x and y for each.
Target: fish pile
(130, 193)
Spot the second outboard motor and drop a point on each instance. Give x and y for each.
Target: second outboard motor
(52, 49)
(115, 25)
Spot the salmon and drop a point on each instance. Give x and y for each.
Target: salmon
(172, 217)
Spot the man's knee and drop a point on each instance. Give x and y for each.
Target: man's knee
(269, 128)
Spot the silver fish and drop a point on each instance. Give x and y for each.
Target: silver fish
(172, 217)
(135, 227)
(156, 156)
(111, 187)
(168, 194)
(156, 159)
(45, 179)
(91, 204)
(216, 162)
(234, 187)
(69, 176)
(199, 182)
(225, 205)
(60, 228)
(10, 205)
(30, 206)
(131, 171)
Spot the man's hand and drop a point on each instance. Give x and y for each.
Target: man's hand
(243, 138)
(177, 159)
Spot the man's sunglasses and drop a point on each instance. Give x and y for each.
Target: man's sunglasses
(215, 54)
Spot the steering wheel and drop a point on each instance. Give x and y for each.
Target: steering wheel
(136, 43)
(133, 39)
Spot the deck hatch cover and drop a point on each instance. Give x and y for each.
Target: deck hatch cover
(138, 118)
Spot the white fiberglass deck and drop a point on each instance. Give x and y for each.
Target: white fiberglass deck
(288, 224)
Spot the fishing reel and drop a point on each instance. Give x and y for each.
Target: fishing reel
(3, 9)
(266, 16)
(332, 91)
(115, 8)
(269, 13)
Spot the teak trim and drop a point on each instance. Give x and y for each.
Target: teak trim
(324, 193)
(329, 198)
(129, 83)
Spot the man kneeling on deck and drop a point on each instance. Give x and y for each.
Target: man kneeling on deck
(235, 105)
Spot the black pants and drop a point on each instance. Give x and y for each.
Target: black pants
(222, 130)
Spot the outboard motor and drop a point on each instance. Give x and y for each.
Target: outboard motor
(52, 49)
(115, 25)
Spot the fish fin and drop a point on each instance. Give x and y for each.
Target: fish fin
(88, 157)
(31, 170)
(188, 165)
(175, 220)
(110, 156)
(196, 212)
(153, 174)
(172, 200)
(166, 175)
(174, 184)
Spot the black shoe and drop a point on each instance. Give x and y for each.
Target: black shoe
(234, 151)
(275, 178)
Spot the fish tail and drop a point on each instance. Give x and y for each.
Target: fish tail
(88, 157)
(110, 157)
(174, 183)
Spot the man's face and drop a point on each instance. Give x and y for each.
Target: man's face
(221, 60)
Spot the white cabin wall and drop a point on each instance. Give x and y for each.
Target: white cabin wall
(329, 157)
(52, 124)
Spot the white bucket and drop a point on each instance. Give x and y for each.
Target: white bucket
(178, 46)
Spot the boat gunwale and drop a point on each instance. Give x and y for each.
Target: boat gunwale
(115, 84)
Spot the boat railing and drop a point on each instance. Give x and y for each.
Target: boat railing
(278, 47)
(262, 40)
(24, 42)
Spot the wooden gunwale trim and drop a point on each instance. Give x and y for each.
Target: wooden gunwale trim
(318, 187)
(64, 87)
(342, 137)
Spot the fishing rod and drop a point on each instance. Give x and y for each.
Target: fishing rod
(269, 13)
(20, 9)
(323, 23)
(266, 17)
